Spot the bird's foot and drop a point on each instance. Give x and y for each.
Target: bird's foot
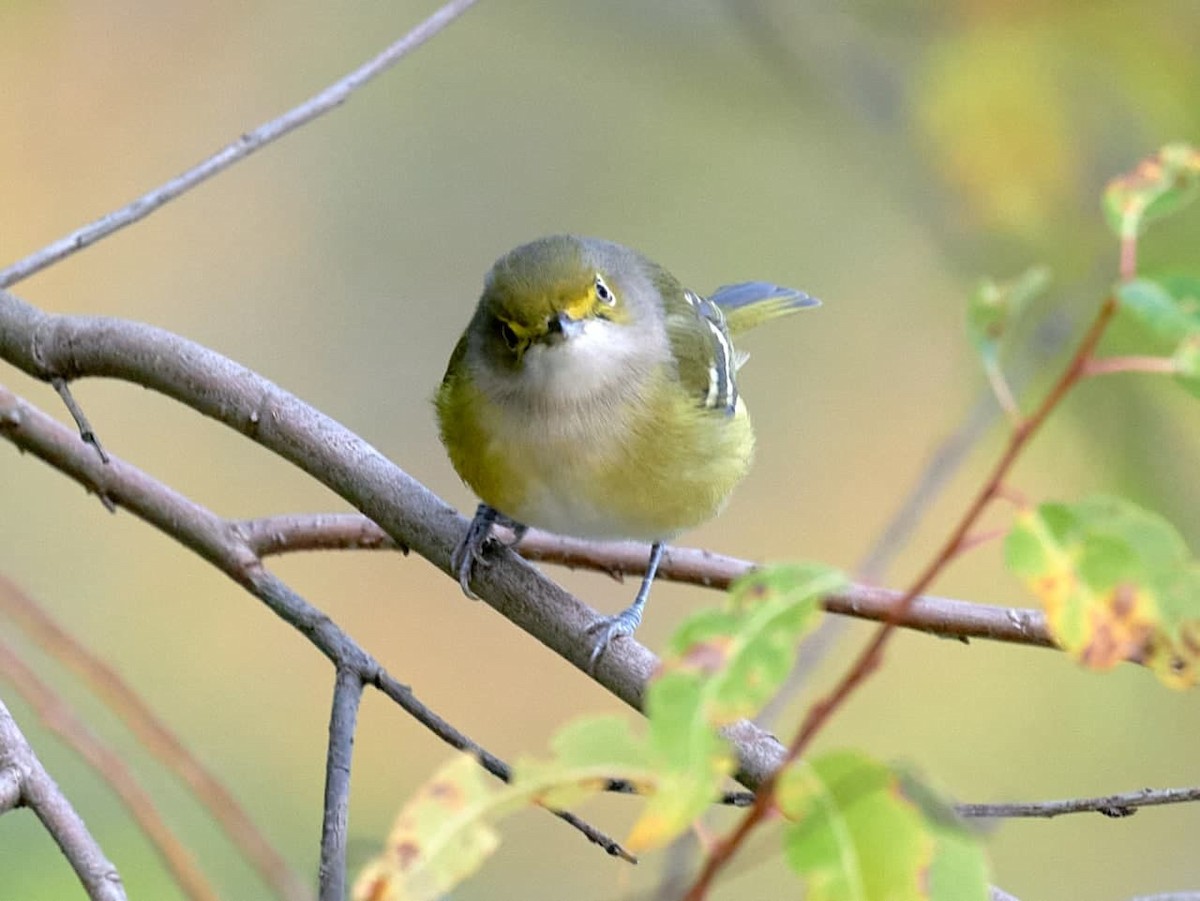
(609, 627)
(472, 548)
(626, 622)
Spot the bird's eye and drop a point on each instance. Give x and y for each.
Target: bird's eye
(603, 292)
(510, 337)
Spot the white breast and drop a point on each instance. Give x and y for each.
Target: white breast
(567, 414)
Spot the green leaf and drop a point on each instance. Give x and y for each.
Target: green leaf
(720, 666)
(445, 832)
(1116, 581)
(1187, 365)
(1158, 186)
(1155, 308)
(1170, 311)
(587, 753)
(440, 837)
(859, 831)
(994, 307)
(744, 653)
(691, 760)
(959, 871)
(960, 868)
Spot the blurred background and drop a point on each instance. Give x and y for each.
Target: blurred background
(880, 155)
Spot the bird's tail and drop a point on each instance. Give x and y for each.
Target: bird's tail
(748, 304)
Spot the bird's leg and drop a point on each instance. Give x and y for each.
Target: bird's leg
(470, 550)
(627, 621)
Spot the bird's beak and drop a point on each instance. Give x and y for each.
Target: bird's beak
(561, 327)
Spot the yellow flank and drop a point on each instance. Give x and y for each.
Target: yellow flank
(659, 466)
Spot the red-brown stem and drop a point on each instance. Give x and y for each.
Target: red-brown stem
(970, 542)
(1014, 496)
(1129, 247)
(872, 655)
(1111, 365)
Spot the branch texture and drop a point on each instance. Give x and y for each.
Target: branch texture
(24, 781)
(1115, 806)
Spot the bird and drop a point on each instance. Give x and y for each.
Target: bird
(592, 395)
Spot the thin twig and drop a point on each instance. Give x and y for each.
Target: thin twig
(86, 433)
(1001, 389)
(1113, 365)
(60, 719)
(347, 694)
(1127, 267)
(945, 617)
(1120, 805)
(978, 539)
(289, 533)
(39, 793)
(248, 143)
(154, 735)
(217, 541)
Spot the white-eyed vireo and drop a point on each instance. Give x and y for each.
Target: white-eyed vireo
(593, 395)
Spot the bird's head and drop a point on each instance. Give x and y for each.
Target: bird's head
(564, 316)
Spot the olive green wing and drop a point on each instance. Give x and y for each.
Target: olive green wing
(704, 354)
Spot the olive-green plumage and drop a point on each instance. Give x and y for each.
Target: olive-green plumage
(592, 395)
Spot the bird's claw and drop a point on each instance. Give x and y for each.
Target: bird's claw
(472, 548)
(609, 627)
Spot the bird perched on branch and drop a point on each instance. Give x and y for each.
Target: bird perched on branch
(593, 395)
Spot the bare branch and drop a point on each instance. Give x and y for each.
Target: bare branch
(76, 411)
(333, 96)
(156, 738)
(693, 566)
(289, 533)
(1116, 806)
(39, 792)
(61, 719)
(218, 542)
(347, 694)
(1113, 365)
